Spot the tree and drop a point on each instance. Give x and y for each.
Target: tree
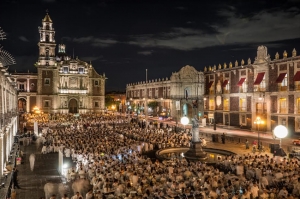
(153, 105)
(109, 101)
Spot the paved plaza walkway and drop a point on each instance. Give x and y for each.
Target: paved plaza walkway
(46, 165)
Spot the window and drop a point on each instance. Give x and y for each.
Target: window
(150, 93)
(243, 119)
(282, 105)
(298, 105)
(262, 85)
(211, 104)
(80, 70)
(96, 83)
(47, 81)
(284, 81)
(96, 104)
(46, 103)
(226, 105)
(66, 69)
(21, 87)
(32, 84)
(244, 87)
(243, 106)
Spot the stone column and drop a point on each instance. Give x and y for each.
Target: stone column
(28, 88)
(1, 153)
(27, 104)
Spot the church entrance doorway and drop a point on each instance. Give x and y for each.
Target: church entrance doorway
(73, 106)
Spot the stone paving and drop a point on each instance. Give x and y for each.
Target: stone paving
(46, 169)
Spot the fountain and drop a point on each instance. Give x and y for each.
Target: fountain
(195, 152)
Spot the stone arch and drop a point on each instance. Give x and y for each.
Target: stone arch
(73, 105)
(22, 104)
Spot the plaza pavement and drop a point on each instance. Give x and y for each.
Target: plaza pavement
(32, 182)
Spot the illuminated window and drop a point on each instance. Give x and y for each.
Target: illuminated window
(284, 81)
(244, 87)
(282, 105)
(262, 85)
(298, 105)
(243, 105)
(211, 104)
(226, 104)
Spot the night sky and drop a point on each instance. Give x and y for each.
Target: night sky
(122, 38)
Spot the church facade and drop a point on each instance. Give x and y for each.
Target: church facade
(62, 84)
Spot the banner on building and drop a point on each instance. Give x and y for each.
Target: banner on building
(177, 103)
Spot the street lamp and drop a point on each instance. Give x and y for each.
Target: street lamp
(258, 121)
(113, 109)
(280, 131)
(184, 120)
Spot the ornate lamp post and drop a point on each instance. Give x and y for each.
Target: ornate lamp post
(258, 121)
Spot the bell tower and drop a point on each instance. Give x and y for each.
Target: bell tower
(47, 43)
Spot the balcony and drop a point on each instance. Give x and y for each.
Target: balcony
(75, 91)
(282, 88)
(211, 108)
(226, 108)
(260, 89)
(243, 90)
(261, 111)
(243, 109)
(226, 91)
(211, 92)
(297, 87)
(283, 110)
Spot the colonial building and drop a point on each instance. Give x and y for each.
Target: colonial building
(238, 93)
(8, 109)
(177, 96)
(62, 84)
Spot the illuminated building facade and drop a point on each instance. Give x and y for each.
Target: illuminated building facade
(62, 84)
(237, 93)
(177, 96)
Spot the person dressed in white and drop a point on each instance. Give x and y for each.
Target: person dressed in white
(89, 194)
(77, 196)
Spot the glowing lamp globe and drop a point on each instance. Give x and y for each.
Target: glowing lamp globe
(184, 120)
(280, 131)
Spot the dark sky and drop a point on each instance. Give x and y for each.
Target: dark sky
(122, 38)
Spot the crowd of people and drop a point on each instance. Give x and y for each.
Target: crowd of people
(111, 152)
